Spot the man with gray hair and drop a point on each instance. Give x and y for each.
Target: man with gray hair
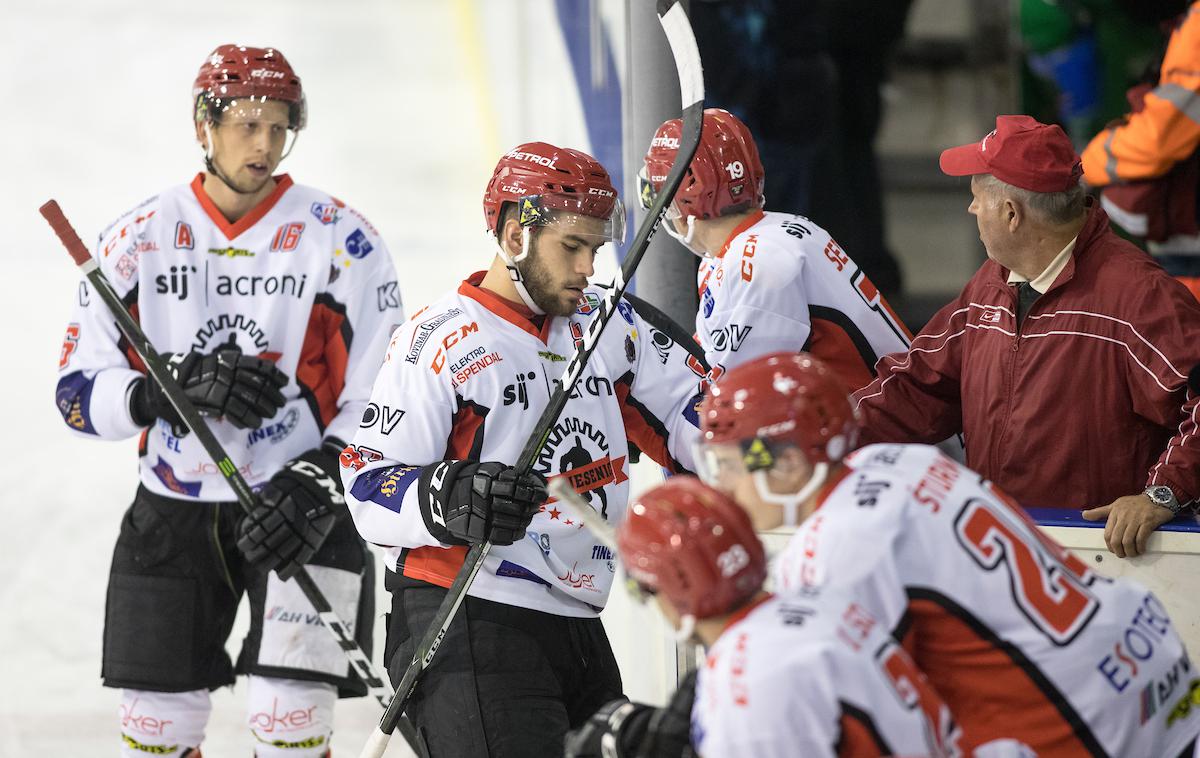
(1064, 360)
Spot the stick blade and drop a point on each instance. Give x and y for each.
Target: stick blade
(66, 233)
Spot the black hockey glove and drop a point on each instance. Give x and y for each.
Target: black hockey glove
(621, 729)
(242, 388)
(466, 502)
(295, 513)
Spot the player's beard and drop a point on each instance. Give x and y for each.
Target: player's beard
(539, 283)
(247, 186)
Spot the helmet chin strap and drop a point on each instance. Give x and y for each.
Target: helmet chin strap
(514, 272)
(791, 503)
(686, 240)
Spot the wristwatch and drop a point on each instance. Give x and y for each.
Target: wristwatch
(1163, 496)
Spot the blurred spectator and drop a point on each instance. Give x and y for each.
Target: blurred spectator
(1147, 161)
(863, 36)
(1081, 56)
(1063, 361)
(806, 82)
(770, 66)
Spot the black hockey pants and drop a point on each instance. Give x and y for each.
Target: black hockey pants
(507, 682)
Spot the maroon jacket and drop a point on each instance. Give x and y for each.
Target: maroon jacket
(1088, 402)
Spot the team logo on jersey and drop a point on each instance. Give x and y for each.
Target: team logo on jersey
(577, 450)
(387, 295)
(326, 213)
(357, 245)
(630, 351)
(708, 301)
(225, 328)
(588, 303)
(166, 475)
(183, 236)
(626, 311)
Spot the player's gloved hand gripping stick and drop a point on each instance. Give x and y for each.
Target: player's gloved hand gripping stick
(678, 29)
(157, 367)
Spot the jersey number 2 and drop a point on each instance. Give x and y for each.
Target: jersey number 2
(1052, 593)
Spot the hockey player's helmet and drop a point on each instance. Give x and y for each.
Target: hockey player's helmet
(543, 179)
(237, 73)
(776, 400)
(725, 176)
(693, 545)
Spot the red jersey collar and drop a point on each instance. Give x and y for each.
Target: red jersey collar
(517, 314)
(282, 183)
(750, 221)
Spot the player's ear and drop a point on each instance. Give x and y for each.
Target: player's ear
(510, 236)
(201, 134)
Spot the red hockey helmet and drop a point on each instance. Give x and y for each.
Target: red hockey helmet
(725, 176)
(693, 545)
(778, 399)
(542, 179)
(235, 72)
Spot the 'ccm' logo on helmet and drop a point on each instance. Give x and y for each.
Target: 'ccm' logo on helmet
(541, 160)
(266, 73)
(599, 191)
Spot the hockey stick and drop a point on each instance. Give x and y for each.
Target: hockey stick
(360, 663)
(678, 30)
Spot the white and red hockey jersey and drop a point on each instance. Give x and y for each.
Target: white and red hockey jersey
(782, 284)
(814, 674)
(467, 378)
(1017, 634)
(302, 280)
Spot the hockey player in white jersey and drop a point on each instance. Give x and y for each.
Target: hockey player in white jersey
(1018, 635)
(274, 302)
(767, 281)
(430, 470)
(812, 675)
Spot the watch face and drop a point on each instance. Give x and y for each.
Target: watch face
(1161, 495)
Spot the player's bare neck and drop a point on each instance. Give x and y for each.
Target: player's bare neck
(234, 205)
